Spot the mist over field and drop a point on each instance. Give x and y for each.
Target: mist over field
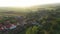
(39, 19)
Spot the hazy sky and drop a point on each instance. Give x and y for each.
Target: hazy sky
(25, 3)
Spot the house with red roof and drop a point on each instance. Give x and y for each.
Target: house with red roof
(1, 27)
(10, 26)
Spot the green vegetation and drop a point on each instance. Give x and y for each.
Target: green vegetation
(49, 19)
(32, 30)
(42, 20)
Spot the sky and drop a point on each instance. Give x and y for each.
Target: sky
(25, 3)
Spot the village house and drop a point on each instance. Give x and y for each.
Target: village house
(9, 26)
(1, 27)
(13, 26)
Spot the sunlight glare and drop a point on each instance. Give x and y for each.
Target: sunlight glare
(25, 3)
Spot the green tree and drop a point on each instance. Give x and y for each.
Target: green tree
(32, 30)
